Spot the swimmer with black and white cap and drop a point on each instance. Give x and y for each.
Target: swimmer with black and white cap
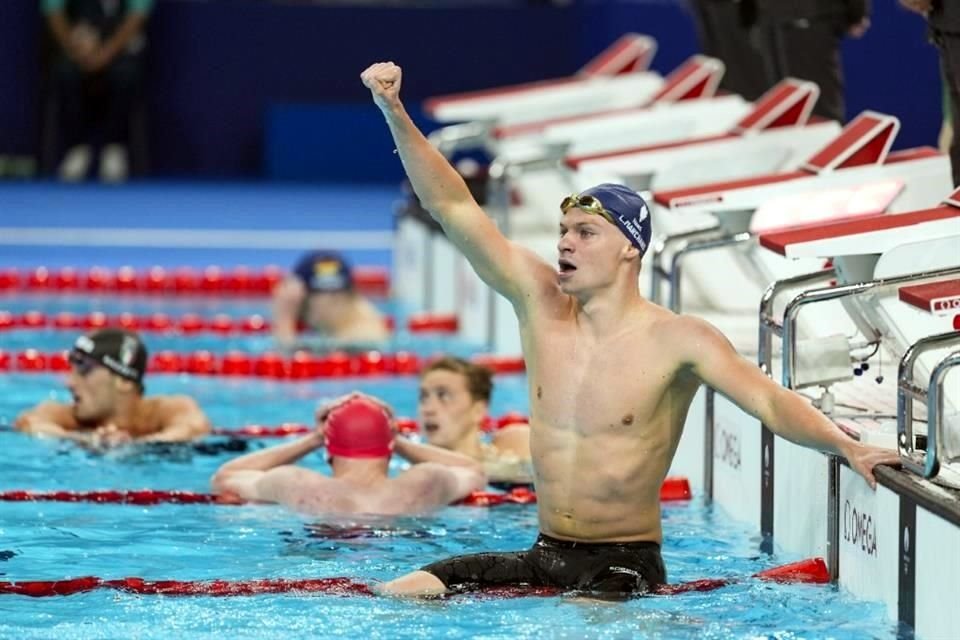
(319, 293)
(611, 378)
(107, 368)
(358, 433)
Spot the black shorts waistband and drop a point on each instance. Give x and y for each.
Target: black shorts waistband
(556, 543)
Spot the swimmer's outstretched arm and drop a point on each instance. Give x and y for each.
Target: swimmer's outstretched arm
(711, 357)
(511, 270)
(241, 475)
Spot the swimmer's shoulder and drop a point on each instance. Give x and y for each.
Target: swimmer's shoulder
(688, 338)
(57, 413)
(157, 411)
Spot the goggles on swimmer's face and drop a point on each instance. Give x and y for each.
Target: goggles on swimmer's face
(82, 363)
(587, 204)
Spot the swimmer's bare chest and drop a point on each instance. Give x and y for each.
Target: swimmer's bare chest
(606, 419)
(592, 383)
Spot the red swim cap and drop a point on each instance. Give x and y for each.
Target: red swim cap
(359, 428)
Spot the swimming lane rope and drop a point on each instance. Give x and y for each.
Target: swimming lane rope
(810, 571)
(190, 323)
(672, 489)
(209, 282)
(302, 365)
(146, 497)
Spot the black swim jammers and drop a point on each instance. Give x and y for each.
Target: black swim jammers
(617, 569)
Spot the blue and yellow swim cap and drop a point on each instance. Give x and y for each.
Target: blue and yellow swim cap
(324, 272)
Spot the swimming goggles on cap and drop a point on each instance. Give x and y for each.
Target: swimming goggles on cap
(587, 203)
(82, 363)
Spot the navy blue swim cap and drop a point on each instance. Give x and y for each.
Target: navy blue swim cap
(324, 272)
(620, 205)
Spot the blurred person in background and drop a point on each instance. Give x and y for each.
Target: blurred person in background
(943, 16)
(724, 33)
(97, 74)
(319, 293)
(801, 39)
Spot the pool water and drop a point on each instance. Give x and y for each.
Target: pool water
(45, 541)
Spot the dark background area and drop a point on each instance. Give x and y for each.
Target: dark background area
(231, 80)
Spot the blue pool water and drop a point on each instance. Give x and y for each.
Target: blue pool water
(202, 542)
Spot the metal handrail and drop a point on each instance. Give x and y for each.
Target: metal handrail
(792, 311)
(768, 324)
(935, 410)
(787, 329)
(660, 246)
(696, 247)
(928, 464)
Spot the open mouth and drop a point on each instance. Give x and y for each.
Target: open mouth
(565, 266)
(430, 427)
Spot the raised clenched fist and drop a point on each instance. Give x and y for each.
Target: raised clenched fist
(383, 79)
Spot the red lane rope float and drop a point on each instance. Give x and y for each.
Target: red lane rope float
(189, 323)
(211, 281)
(672, 489)
(810, 571)
(137, 497)
(45, 588)
(301, 365)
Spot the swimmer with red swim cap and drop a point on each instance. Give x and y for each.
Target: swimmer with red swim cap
(358, 433)
(611, 378)
(319, 292)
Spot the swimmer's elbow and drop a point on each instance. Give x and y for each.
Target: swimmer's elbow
(463, 481)
(476, 480)
(200, 427)
(219, 482)
(24, 422)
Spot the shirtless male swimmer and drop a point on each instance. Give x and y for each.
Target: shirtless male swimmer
(611, 378)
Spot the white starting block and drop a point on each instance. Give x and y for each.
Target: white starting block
(878, 261)
(855, 174)
(779, 113)
(821, 333)
(662, 122)
(878, 247)
(687, 92)
(618, 77)
(777, 135)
